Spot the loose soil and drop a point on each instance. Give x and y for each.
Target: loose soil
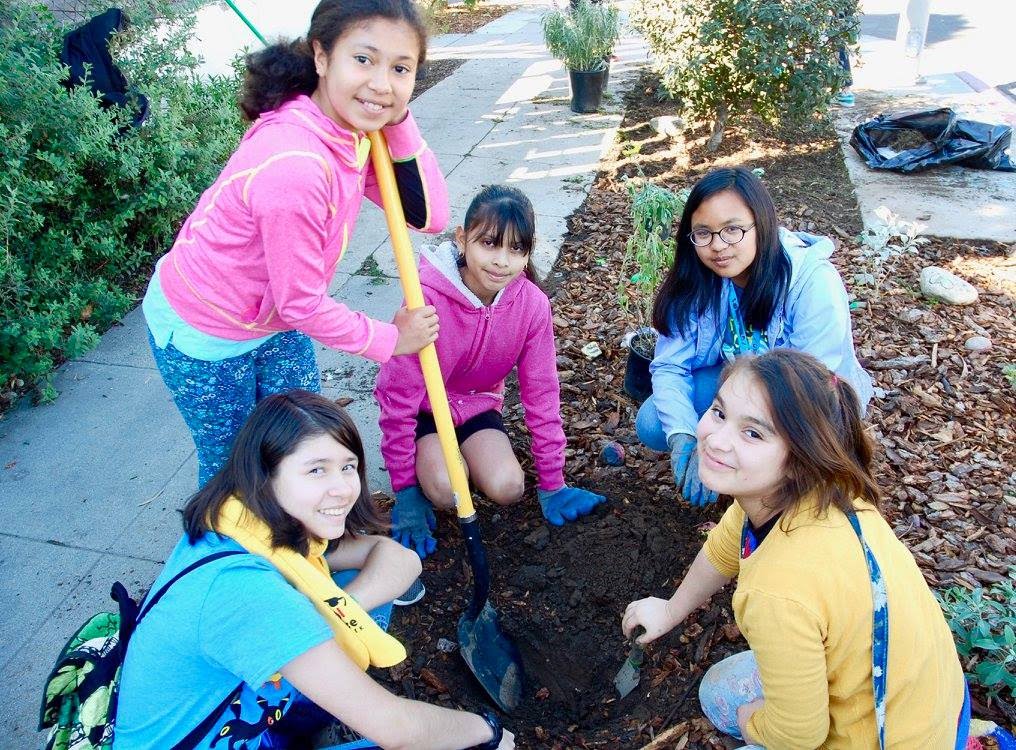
(944, 420)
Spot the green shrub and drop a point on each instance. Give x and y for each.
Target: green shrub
(583, 37)
(983, 623)
(723, 58)
(86, 203)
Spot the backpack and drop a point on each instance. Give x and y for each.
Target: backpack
(80, 698)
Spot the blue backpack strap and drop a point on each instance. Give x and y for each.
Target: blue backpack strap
(194, 565)
(199, 732)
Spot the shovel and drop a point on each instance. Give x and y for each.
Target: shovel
(627, 678)
(488, 652)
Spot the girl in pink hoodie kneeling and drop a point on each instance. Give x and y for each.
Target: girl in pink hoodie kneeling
(493, 319)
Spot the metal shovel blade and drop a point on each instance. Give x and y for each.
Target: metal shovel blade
(492, 658)
(627, 678)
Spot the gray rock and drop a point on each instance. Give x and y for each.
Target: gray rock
(940, 284)
(978, 343)
(667, 125)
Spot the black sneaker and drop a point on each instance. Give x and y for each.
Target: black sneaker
(412, 595)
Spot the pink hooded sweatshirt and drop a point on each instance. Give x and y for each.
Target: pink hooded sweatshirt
(257, 254)
(477, 348)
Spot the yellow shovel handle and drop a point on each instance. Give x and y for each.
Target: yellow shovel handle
(382, 161)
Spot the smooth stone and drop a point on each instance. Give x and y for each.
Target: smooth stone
(978, 343)
(948, 287)
(667, 125)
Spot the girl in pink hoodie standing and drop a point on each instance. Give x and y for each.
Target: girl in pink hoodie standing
(233, 306)
(494, 319)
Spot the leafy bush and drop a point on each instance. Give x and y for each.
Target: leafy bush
(723, 58)
(584, 37)
(86, 202)
(983, 624)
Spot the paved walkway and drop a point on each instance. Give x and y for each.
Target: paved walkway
(90, 485)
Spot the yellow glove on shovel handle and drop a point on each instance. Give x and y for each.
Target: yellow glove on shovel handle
(410, 277)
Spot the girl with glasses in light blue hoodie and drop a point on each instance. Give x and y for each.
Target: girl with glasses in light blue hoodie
(740, 284)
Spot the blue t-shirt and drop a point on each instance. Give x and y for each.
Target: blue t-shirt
(233, 620)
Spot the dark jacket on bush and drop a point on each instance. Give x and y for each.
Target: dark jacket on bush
(88, 45)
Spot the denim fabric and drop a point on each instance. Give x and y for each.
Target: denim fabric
(705, 383)
(215, 398)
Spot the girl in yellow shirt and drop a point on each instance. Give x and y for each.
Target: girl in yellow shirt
(849, 648)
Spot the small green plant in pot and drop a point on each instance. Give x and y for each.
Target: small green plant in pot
(583, 39)
(649, 254)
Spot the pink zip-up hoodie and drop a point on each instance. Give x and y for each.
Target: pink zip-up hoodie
(477, 347)
(257, 254)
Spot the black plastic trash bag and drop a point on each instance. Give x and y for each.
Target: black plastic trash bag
(89, 45)
(948, 140)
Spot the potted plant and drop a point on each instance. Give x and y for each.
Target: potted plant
(649, 254)
(583, 38)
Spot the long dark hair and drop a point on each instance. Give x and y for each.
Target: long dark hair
(286, 69)
(818, 414)
(506, 215)
(690, 287)
(278, 424)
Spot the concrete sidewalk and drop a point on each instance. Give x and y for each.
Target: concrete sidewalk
(968, 66)
(90, 485)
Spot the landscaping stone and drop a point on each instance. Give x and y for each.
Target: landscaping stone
(978, 343)
(671, 127)
(943, 285)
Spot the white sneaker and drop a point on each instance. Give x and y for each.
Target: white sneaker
(412, 595)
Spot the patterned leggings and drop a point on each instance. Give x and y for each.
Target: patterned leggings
(215, 398)
(735, 681)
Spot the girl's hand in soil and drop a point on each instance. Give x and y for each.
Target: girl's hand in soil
(417, 328)
(653, 614)
(567, 504)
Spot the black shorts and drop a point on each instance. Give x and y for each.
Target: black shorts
(485, 420)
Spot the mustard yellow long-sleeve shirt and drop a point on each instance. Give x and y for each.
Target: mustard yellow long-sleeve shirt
(803, 603)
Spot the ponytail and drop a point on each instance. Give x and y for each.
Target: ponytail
(275, 75)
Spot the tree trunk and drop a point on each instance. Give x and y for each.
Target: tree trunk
(718, 125)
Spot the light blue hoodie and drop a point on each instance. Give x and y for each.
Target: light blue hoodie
(813, 317)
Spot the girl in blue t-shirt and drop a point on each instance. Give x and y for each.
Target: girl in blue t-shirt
(236, 651)
(739, 284)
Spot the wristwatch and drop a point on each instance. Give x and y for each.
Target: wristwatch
(495, 725)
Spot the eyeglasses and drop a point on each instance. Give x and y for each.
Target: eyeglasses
(730, 235)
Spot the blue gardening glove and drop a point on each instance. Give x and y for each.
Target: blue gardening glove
(413, 520)
(682, 449)
(567, 503)
(693, 490)
(684, 462)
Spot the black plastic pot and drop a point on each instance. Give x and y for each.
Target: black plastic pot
(638, 383)
(586, 89)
